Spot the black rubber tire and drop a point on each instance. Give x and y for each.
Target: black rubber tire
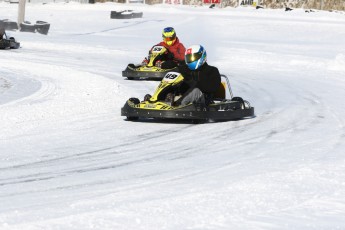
(239, 99)
(134, 100)
(132, 118)
(42, 27)
(10, 25)
(27, 27)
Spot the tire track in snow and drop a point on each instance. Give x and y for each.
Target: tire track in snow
(119, 27)
(123, 152)
(4, 85)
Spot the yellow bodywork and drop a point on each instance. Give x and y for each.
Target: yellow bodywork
(150, 69)
(170, 79)
(154, 53)
(154, 106)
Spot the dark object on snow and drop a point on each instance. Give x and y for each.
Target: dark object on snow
(8, 25)
(259, 7)
(288, 9)
(42, 27)
(309, 11)
(125, 14)
(161, 104)
(7, 43)
(27, 27)
(212, 6)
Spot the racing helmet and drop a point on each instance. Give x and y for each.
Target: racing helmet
(195, 56)
(169, 36)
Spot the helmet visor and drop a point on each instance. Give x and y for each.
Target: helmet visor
(168, 39)
(189, 58)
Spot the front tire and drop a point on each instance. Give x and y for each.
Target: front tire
(132, 118)
(135, 101)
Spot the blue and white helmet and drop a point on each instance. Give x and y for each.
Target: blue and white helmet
(195, 56)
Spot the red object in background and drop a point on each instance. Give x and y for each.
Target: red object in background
(211, 1)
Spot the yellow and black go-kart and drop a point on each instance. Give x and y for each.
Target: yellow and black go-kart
(149, 71)
(160, 105)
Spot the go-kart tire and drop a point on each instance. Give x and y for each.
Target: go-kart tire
(8, 25)
(239, 99)
(136, 101)
(42, 27)
(13, 43)
(132, 118)
(27, 27)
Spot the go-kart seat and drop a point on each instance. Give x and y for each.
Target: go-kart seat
(220, 94)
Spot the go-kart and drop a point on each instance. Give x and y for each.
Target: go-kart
(148, 71)
(8, 43)
(215, 108)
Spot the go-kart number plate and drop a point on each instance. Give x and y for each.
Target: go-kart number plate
(171, 76)
(157, 49)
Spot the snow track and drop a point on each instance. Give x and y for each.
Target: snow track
(70, 161)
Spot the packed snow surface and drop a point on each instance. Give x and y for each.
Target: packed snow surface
(70, 161)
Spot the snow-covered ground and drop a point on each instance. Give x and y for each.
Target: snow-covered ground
(70, 161)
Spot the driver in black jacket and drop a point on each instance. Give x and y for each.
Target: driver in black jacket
(201, 80)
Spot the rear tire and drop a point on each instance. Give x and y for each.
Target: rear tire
(200, 121)
(239, 99)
